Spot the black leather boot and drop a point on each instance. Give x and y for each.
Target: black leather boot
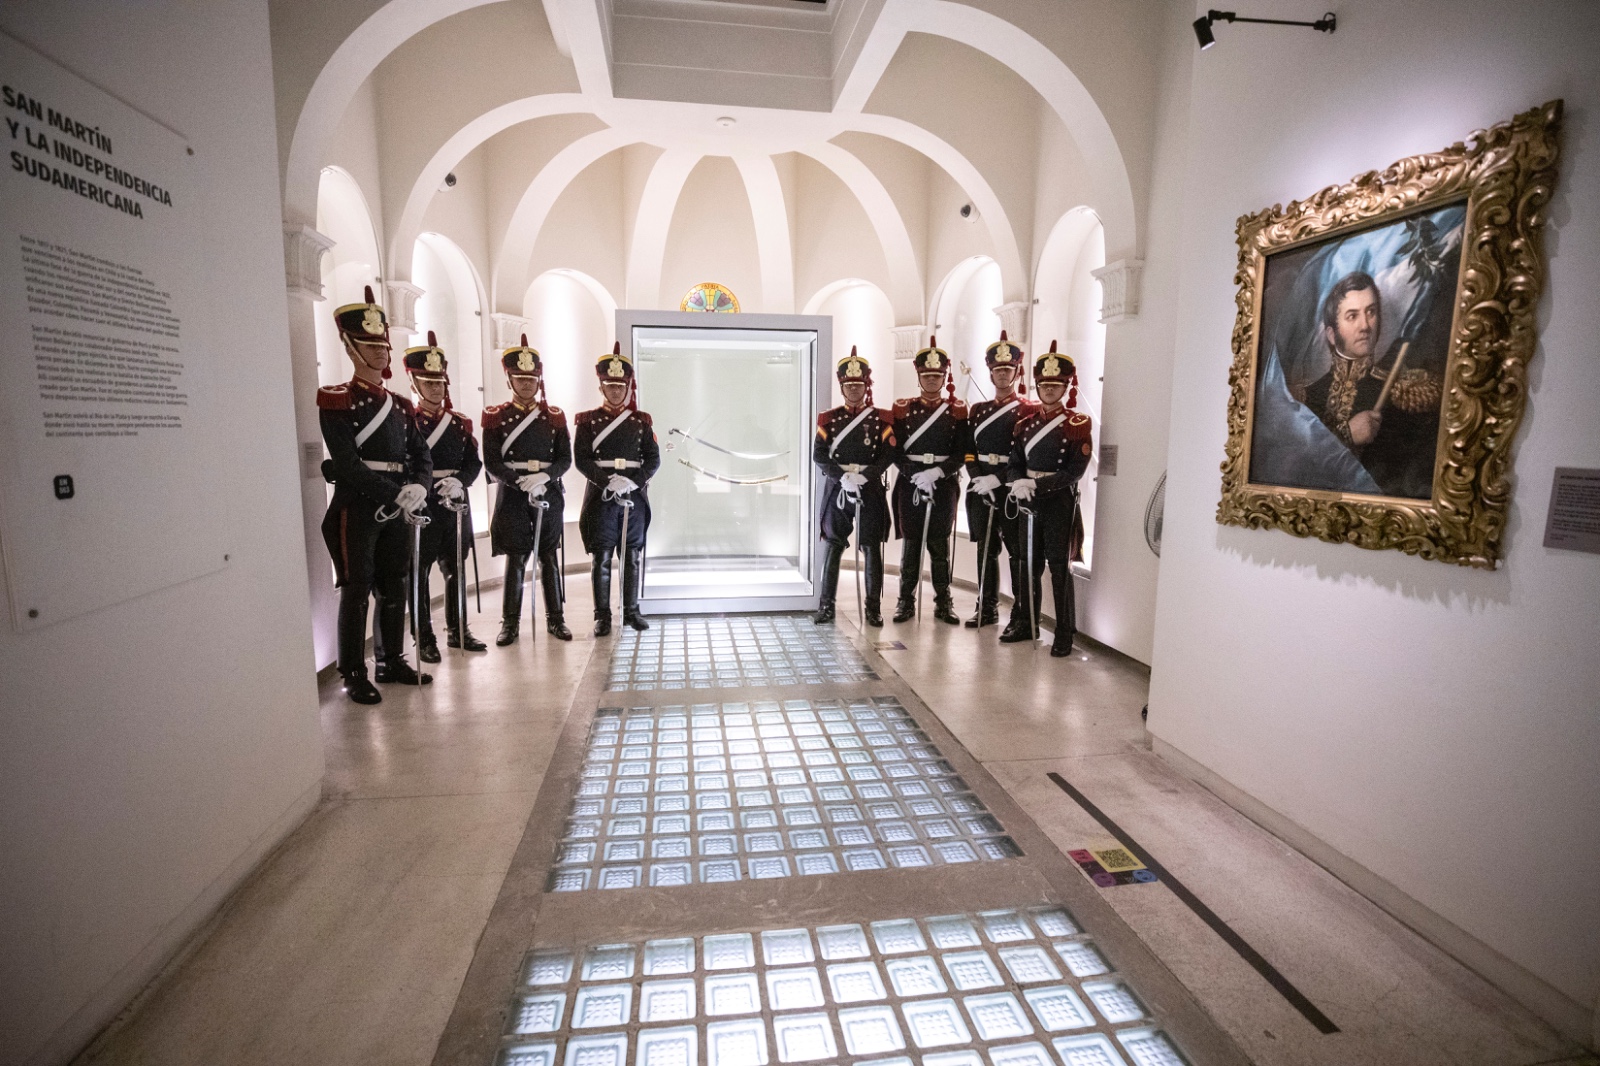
(550, 582)
(939, 568)
(828, 573)
(632, 579)
(427, 643)
(872, 559)
(987, 612)
(353, 634)
(1066, 611)
(400, 672)
(511, 600)
(905, 607)
(600, 580)
(360, 690)
(452, 620)
(1020, 627)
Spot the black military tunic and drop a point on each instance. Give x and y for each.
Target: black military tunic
(867, 447)
(930, 435)
(989, 452)
(630, 449)
(375, 448)
(454, 451)
(1054, 451)
(539, 443)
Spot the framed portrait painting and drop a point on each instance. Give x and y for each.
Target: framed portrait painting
(1381, 345)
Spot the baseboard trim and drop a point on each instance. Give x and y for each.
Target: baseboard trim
(117, 1000)
(1566, 1015)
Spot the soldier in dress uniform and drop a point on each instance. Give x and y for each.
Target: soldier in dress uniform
(379, 467)
(616, 450)
(987, 458)
(932, 431)
(1050, 450)
(456, 465)
(854, 447)
(527, 449)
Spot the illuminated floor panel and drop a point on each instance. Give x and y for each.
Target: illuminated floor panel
(743, 652)
(997, 988)
(765, 789)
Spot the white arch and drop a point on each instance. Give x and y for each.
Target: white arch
(533, 209)
(1013, 277)
(356, 57)
(1056, 261)
(905, 280)
(1036, 64)
(463, 141)
(771, 216)
(661, 191)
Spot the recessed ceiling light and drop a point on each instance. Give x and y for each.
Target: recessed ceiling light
(727, 120)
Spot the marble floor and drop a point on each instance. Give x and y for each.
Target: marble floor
(833, 854)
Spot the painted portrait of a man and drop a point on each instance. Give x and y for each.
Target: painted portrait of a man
(1354, 335)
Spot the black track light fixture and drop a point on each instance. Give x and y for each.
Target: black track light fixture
(1202, 25)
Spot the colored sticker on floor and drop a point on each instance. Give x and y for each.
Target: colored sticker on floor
(1111, 866)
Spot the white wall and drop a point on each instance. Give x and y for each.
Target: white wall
(152, 751)
(1439, 726)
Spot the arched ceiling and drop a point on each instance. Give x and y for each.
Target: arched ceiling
(453, 77)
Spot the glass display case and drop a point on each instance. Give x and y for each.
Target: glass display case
(734, 399)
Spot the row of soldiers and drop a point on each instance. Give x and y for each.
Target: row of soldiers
(1023, 460)
(400, 473)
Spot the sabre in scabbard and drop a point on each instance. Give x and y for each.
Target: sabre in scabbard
(539, 506)
(861, 611)
(922, 544)
(461, 584)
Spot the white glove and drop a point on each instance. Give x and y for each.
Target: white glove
(412, 498)
(1022, 488)
(853, 481)
(984, 484)
(449, 488)
(533, 484)
(925, 479)
(620, 485)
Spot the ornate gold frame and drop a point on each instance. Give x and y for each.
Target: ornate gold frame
(1505, 174)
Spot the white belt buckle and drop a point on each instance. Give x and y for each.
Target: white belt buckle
(617, 464)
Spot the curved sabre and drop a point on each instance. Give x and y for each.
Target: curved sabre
(733, 480)
(728, 451)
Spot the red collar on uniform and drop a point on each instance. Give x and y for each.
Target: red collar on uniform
(365, 386)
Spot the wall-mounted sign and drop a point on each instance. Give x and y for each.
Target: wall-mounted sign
(104, 446)
(1573, 521)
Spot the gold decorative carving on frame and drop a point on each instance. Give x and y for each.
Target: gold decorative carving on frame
(1506, 175)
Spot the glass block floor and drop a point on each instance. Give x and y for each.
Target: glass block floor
(765, 789)
(996, 988)
(742, 652)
